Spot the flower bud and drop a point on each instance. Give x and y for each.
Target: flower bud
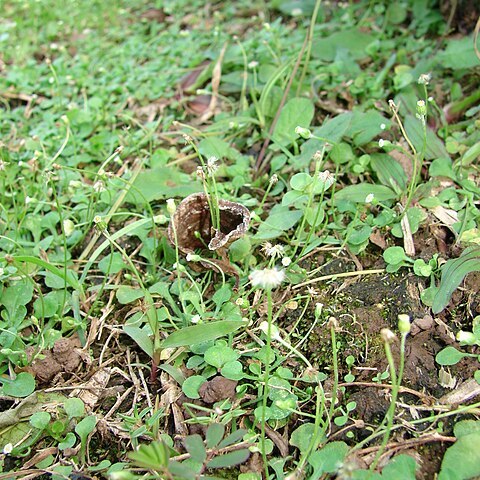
(421, 108)
(303, 132)
(404, 324)
(387, 335)
(171, 207)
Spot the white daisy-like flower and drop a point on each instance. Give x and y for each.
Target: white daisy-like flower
(195, 319)
(7, 449)
(369, 198)
(273, 251)
(97, 219)
(286, 261)
(253, 64)
(381, 143)
(383, 126)
(424, 78)
(267, 278)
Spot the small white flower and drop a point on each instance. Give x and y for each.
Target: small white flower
(253, 64)
(195, 319)
(430, 99)
(424, 78)
(383, 126)
(273, 251)
(212, 166)
(97, 219)
(296, 12)
(2, 165)
(192, 257)
(99, 186)
(369, 198)
(286, 261)
(267, 278)
(273, 179)
(8, 448)
(381, 143)
(28, 200)
(326, 178)
(68, 227)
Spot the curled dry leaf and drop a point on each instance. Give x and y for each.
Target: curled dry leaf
(193, 215)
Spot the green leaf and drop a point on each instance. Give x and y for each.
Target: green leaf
(329, 459)
(219, 355)
(358, 193)
(353, 40)
(74, 407)
(126, 294)
(300, 181)
(22, 386)
(442, 167)
(402, 467)
(214, 434)
(453, 272)
(159, 183)
(462, 460)
(232, 370)
(151, 456)
(280, 220)
(230, 459)
(395, 255)
(140, 337)
(40, 420)
(111, 263)
(191, 385)
(234, 437)
(365, 126)
(389, 172)
(301, 437)
(85, 427)
(415, 217)
(458, 55)
(435, 148)
(296, 112)
(449, 356)
(201, 333)
(68, 442)
(196, 448)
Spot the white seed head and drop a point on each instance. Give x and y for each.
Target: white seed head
(267, 278)
(99, 186)
(273, 251)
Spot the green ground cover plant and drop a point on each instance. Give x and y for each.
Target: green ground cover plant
(239, 240)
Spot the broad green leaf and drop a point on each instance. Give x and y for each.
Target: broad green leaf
(358, 193)
(40, 420)
(216, 147)
(280, 220)
(300, 181)
(353, 40)
(302, 436)
(22, 386)
(74, 407)
(442, 167)
(191, 385)
(159, 183)
(453, 272)
(196, 448)
(140, 337)
(389, 171)
(435, 148)
(296, 112)
(230, 459)
(365, 126)
(402, 467)
(328, 459)
(214, 434)
(449, 356)
(462, 460)
(85, 427)
(219, 355)
(111, 263)
(127, 294)
(459, 54)
(201, 333)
